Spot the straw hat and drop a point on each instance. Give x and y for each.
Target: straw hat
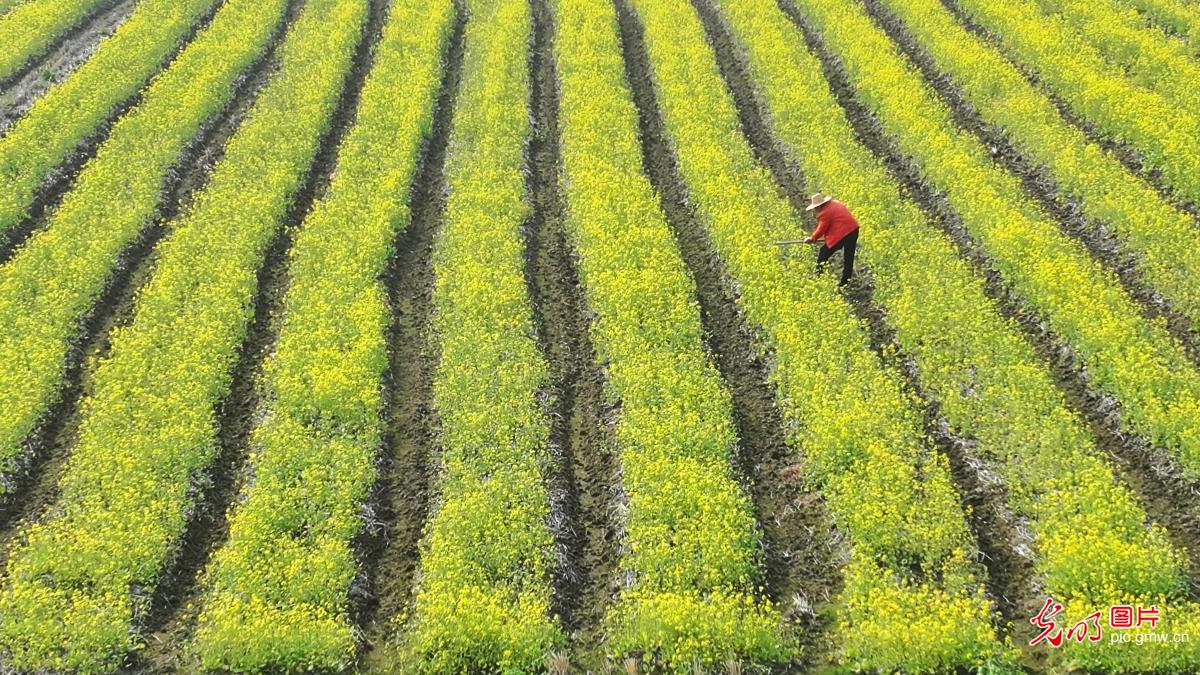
(817, 200)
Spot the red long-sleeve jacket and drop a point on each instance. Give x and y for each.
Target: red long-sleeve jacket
(834, 222)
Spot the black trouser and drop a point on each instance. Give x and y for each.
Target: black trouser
(847, 245)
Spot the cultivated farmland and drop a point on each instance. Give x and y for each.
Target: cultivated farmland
(476, 336)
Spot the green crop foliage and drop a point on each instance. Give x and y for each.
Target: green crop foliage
(60, 272)
(7, 5)
(690, 529)
(279, 588)
(1163, 239)
(1178, 16)
(83, 577)
(986, 379)
(1149, 58)
(1072, 68)
(66, 114)
(859, 434)
(1135, 360)
(28, 29)
(483, 601)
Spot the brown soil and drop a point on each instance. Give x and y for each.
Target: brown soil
(1103, 246)
(399, 504)
(1156, 478)
(63, 56)
(584, 483)
(803, 551)
(1129, 156)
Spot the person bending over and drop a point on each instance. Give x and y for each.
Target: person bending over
(837, 226)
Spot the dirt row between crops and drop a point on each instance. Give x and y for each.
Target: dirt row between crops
(1104, 247)
(60, 181)
(19, 92)
(398, 508)
(63, 55)
(1125, 152)
(999, 532)
(585, 487)
(803, 551)
(1156, 478)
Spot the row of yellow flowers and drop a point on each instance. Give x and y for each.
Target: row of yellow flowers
(29, 29)
(1135, 360)
(1073, 69)
(58, 274)
(689, 547)
(1176, 16)
(1147, 57)
(1165, 241)
(483, 598)
(910, 551)
(985, 377)
(278, 591)
(56, 123)
(82, 578)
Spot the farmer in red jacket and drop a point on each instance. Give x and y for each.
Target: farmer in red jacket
(839, 229)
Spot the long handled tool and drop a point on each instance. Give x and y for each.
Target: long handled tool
(789, 242)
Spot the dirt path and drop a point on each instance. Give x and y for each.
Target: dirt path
(585, 487)
(399, 504)
(61, 58)
(803, 551)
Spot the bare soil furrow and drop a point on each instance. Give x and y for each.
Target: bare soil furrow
(64, 55)
(20, 91)
(398, 507)
(584, 486)
(803, 551)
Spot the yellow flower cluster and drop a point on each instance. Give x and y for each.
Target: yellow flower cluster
(861, 439)
(1164, 238)
(1091, 538)
(83, 576)
(689, 530)
(28, 30)
(682, 627)
(483, 599)
(1135, 360)
(59, 273)
(1073, 68)
(38, 142)
(279, 587)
